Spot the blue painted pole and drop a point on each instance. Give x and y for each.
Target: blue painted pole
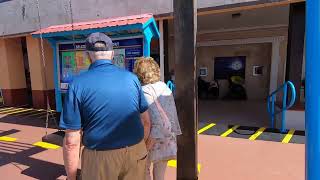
(272, 111)
(147, 32)
(146, 47)
(56, 78)
(313, 90)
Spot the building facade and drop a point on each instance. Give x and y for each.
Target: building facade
(268, 35)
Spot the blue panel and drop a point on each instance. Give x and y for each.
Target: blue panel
(116, 44)
(56, 79)
(134, 52)
(312, 91)
(127, 42)
(126, 36)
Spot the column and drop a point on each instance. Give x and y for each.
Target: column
(275, 59)
(312, 91)
(296, 36)
(185, 28)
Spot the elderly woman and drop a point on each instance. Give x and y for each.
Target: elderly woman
(165, 126)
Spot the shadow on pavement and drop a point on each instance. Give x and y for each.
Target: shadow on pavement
(20, 154)
(30, 121)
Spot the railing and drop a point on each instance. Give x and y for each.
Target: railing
(285, 106)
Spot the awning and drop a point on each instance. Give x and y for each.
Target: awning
(119, 26)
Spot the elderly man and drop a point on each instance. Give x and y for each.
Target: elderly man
(107, 106)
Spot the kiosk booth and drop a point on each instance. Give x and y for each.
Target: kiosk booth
(131, 37)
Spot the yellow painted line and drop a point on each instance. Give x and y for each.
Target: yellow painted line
(206, 128)
(11, 110)
(15, 112)
(288, 137)
(229, 131)
(46, 145)
(257, 133)
(173, 163)
(7, 139)
(3, 109)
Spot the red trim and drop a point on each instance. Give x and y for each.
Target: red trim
(103, 23)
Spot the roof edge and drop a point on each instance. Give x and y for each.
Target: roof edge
(113, 19)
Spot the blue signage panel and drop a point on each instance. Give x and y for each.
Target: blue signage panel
(74, 60)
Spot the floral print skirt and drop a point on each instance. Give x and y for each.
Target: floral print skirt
(164, 149)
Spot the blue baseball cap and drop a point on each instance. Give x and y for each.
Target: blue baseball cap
(98, 37)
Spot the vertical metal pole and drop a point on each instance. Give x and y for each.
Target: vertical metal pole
(146, 47)
(161, 44)
(166, 50)
(313, 91)
(272, 111)
(185, 30)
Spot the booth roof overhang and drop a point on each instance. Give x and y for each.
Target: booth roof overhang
(143, 24)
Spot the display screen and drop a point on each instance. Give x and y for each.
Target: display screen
(74, 59)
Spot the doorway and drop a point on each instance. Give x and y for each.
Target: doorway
(27, 71)
(241, 74)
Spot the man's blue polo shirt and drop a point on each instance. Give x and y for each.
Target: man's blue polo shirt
(105, 102)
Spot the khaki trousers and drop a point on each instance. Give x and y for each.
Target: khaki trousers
(121, 164)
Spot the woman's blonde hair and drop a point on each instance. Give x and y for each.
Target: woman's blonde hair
(147, 70)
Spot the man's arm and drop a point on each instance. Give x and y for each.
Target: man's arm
(71, 150)
(145, 118)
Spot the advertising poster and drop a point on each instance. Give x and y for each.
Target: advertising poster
(82, 61)
(68, 66)
(74, 59)
(119, 57)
